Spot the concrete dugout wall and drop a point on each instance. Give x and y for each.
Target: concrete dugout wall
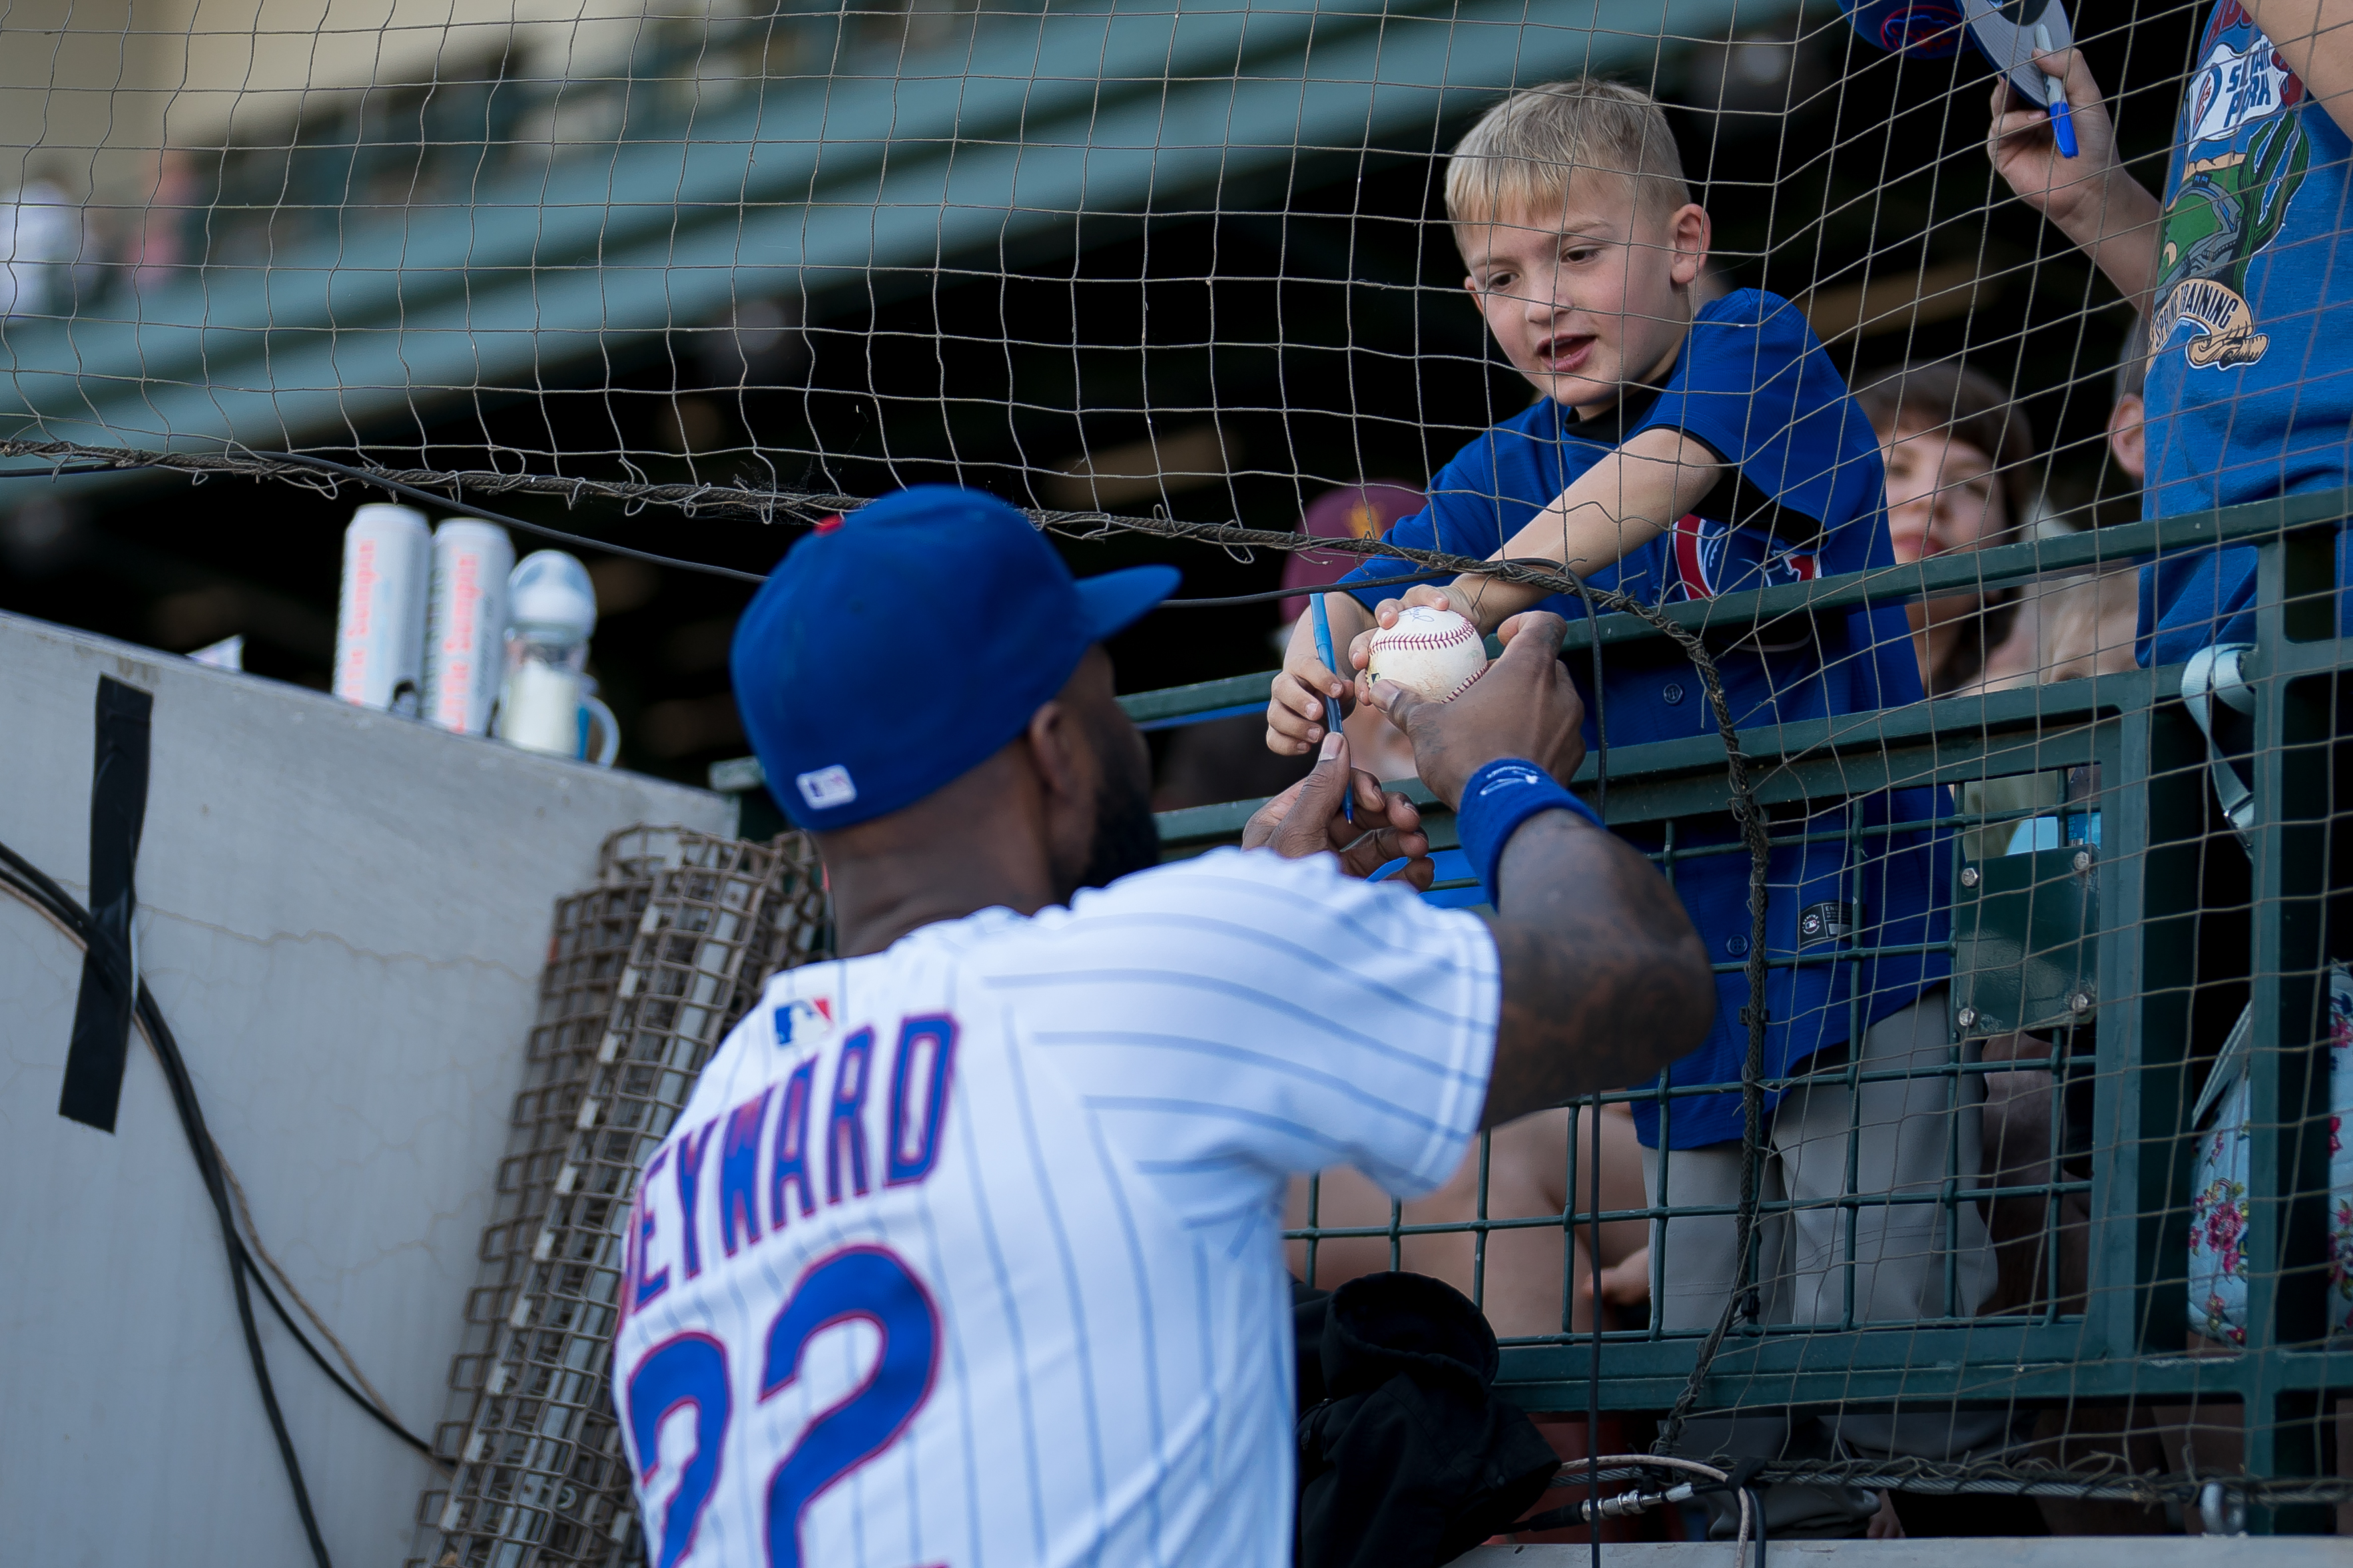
(343, 917)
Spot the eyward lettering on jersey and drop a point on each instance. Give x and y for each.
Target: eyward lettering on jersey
(968, 1252)
(764, 1165)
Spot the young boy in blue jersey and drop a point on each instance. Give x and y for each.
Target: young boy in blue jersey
(1678, 451)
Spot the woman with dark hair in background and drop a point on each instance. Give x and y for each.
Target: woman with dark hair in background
(1959, 453)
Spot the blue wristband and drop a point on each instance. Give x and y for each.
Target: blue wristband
(1496, 800)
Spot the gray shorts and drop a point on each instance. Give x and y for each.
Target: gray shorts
(1831, 1261)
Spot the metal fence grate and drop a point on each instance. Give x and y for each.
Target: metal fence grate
(646, 972)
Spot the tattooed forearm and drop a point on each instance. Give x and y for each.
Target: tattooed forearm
(1605, 981)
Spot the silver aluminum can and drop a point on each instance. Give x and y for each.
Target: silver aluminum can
(465, 630)
(380, 616)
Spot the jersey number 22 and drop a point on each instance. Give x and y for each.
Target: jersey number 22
(690, 1369)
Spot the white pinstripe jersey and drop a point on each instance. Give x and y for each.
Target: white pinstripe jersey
(967, 1253)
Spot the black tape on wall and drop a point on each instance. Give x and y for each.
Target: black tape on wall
(118, 808)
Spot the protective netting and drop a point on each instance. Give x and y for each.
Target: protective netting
(1095, 256)
(2071, 1228)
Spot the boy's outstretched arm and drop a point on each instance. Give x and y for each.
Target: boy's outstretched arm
(1620, 504)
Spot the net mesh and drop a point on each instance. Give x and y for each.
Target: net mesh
(1166, 275)
(1090, 254)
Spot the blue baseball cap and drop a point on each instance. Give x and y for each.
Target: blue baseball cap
(897, 647)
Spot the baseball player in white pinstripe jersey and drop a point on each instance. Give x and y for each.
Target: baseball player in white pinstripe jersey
(964, 1250)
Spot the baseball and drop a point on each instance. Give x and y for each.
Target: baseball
(1432, 652)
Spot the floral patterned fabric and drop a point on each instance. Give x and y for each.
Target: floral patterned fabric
(2218, 1214)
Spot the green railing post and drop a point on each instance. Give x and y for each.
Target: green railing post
(2288, 1066)
(2154, 824)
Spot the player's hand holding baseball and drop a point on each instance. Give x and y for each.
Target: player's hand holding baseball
(1524, 706)
(1306, 819)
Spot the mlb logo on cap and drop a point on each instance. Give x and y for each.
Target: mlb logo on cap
(827, 787)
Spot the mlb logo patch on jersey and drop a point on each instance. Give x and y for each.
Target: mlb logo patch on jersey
(1714, 558)
(803, 1019)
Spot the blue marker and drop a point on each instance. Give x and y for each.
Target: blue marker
(1332, 718)
(2063, 123)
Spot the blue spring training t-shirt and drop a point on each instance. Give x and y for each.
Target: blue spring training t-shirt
(1803, 500)
(2249, 385)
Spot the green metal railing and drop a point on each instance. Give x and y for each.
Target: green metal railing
(2106, 937)
(2106, 947)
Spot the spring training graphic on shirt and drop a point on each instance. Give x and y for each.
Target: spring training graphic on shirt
(2244, 156)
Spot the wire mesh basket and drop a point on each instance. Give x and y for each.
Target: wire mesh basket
(647, 972)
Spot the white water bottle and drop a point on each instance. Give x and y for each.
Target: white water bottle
(465, 630)
(545, 705)
(380, 620)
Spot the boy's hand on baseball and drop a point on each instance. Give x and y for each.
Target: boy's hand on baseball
(1524, 706)
(1294, 708)
(1428, 595)
(1307, 819)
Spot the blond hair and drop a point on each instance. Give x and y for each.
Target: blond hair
(1524, 151)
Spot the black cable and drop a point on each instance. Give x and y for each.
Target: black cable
(1301, 593)
(117, 963)
(55, 900)
(1744, 1482)
(368, 1405)
(457, 503)
(60, 903)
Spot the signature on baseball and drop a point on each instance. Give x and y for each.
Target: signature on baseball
(1432, 652)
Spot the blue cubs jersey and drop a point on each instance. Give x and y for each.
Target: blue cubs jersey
(2249, 385)
(1801, 498)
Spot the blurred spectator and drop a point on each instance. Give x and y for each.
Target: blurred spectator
(164, 243)
(2064, 628)
(1958, 453)
(2076, 626)
(40, 234)
(1226, 759)
(1527, 1178)
(1353, 511)
(2069, 629)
